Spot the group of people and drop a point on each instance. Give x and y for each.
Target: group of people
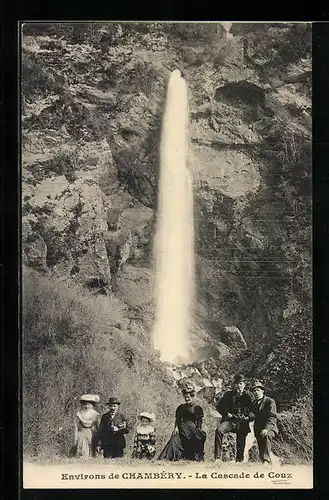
(106, 434)
(95, 433)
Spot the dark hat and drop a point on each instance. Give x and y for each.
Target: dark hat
(113, 401)
(257, 384)
(238, 378)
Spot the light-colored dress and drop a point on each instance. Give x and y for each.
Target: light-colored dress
(144, 442)
(86, 425)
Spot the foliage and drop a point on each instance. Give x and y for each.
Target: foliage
(74, 32)
(194, 33)
(284, 363)
(298, 44)
(141, 78)
(289, 370)
(71, 345)
(294, 443)
(281, 45)
(36, 80)
(65, 164)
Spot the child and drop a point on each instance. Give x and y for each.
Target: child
(144, 444)
(86, 424)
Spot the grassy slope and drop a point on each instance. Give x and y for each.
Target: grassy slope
(72, 346)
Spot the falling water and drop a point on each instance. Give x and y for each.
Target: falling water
(174, 238)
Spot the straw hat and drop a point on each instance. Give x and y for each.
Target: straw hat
(90, 398)
(148, 415)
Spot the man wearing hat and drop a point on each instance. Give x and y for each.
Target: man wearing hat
(112, 428)
(266, 428)
(236, 409)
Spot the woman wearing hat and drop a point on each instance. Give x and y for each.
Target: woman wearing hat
(112, 430)
(188, 438)
(86, 424)
(144, 443)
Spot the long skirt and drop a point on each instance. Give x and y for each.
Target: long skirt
(193, 440)
(86, 443)
(188, 444)
(173, 450)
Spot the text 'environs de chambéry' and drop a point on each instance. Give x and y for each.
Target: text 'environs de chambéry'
(177, 475)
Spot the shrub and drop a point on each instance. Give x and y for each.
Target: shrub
(71, 346)
(298, 43)
(141, 78)
(65, 164)
(294, 443)
(35, 80)
(194, 32)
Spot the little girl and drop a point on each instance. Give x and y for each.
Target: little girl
(86, 424)
(144, 444)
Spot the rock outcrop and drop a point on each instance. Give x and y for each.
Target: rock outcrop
(93, 100)
(233, 338)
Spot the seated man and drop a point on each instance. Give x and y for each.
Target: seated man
(112, 428)
(266, 428)
(236, 409)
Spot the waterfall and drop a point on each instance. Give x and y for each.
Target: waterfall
(174, 237)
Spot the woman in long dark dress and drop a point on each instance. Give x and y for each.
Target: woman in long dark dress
(188, 438)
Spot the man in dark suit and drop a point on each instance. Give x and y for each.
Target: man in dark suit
(112, 428)
(236, 409)
(265, 428)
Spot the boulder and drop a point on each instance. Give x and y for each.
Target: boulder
(218, 350)
(35, 253)
(233, 338)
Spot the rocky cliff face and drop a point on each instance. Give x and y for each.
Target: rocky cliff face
(92, 104)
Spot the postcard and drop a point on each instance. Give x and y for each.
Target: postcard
(166, 254)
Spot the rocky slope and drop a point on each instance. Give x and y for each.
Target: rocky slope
(92, 104)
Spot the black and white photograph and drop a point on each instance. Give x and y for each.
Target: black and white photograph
(166, 234)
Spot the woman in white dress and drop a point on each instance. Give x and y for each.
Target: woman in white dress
(86, 424)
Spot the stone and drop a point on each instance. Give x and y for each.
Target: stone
(218, 384)
(35, 253)
(233, 338)
(208, 393)
(217, 349)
